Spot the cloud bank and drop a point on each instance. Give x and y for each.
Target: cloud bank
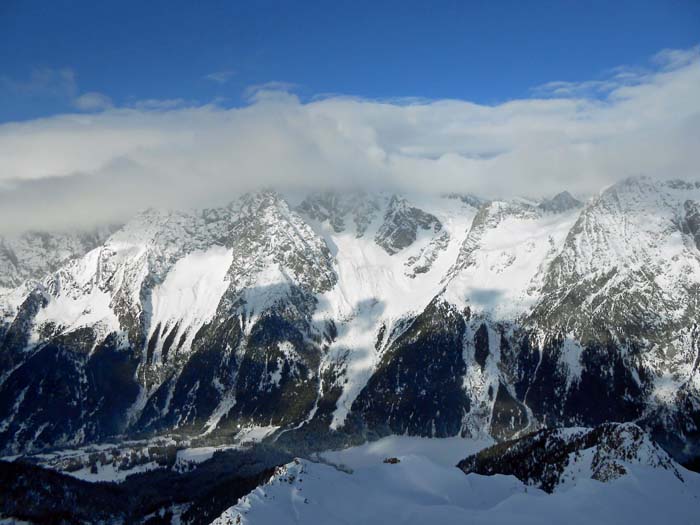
(84, 169)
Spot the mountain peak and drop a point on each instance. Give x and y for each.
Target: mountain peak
(560, 203)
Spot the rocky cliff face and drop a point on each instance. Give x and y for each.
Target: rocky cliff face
(353, 315)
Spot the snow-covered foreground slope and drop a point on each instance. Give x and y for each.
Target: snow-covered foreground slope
(426, 487)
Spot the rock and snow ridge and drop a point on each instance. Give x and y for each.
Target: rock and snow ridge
(360, 314)
(553, 459)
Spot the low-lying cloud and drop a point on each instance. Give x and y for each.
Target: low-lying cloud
(85, 169)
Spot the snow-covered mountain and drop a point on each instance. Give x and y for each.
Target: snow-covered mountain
(351, 315)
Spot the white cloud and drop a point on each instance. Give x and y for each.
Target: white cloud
(621, 76)
(76, 169)
(675, 58)
(92, 101)
(257, 92)
(220, 77)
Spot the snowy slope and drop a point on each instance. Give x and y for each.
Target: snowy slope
(503, 260)
(423, 489)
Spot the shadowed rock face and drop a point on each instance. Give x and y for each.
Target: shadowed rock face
(691, 223)
(481, 345)
(417, 386)
(548, 458)
(509, 416)
(67, 395)
(402, 223)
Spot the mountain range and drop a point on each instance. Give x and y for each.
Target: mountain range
(334, 318)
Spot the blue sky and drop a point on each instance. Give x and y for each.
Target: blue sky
(108, 108)
(52, 53)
